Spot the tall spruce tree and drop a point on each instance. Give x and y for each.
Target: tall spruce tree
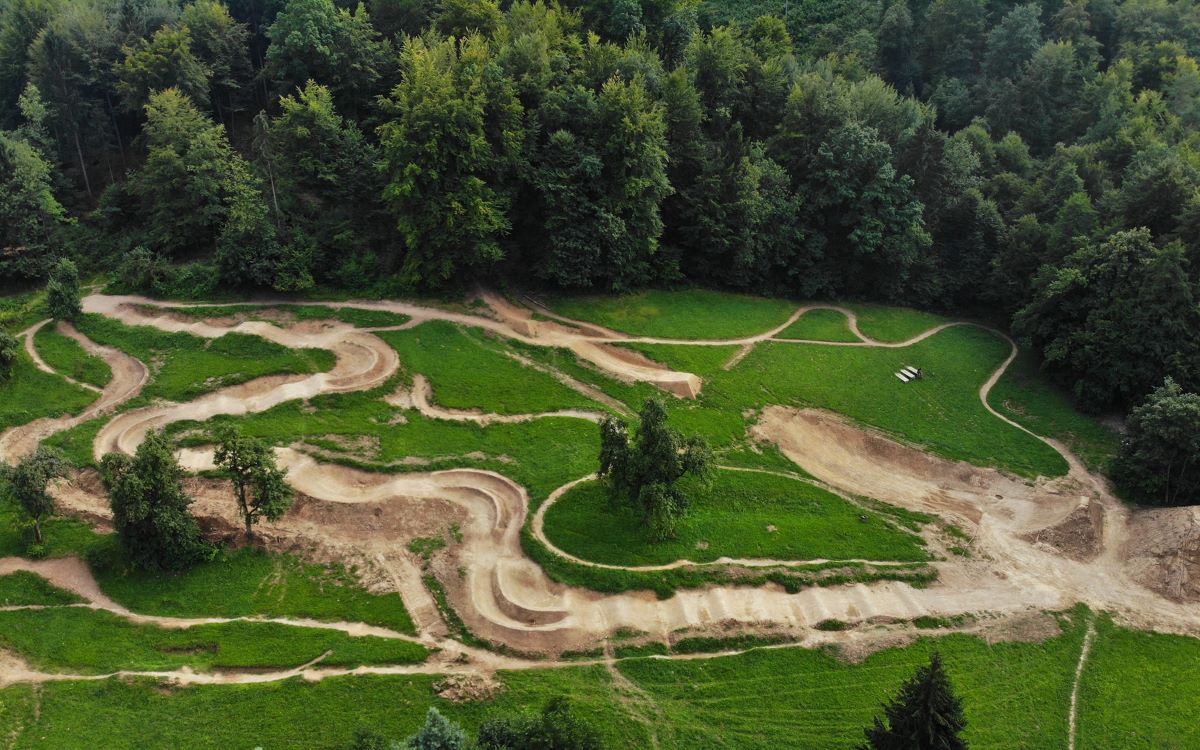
(925, 715)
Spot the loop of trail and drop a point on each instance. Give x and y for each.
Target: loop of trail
(506, 597)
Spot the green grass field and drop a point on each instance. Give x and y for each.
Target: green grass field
(183, 366)
(468, 369)
(30, 394)
(87, 641)
(64, 354)
(688, 314)
(820, 325)
(1016, 696)
(892, 324)
(22, 588)
(742, 515)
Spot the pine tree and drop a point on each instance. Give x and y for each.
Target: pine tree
(925, 715)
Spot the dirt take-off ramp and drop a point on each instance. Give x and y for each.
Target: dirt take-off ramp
(505, 597)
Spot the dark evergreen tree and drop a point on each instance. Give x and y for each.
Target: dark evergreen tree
(924, 715)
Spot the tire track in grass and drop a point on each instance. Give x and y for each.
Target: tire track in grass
(1073, 717)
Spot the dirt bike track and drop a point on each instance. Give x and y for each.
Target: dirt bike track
(507, 598)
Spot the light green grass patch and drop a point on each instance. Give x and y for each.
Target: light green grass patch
(685, 314)
(19, 311)
(248, 582)
(1139, 691)
(1025, 396)
(821, 324)
(23, 588)
(742, 515)
(942, 411)
(29, 394)
(893, 324)
(75, 639)
(698, 360)
(76, 443)
(469, 370)
(64, 355)
(184, 366)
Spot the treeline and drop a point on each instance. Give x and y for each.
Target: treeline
(1034, 163)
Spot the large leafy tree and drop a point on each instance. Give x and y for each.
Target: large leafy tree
(448, 132)
(316, 40)
(924, 715)
(258, 482)
(645, 471)
(27, 484)
(221, 44)
(63, 296)
(164, 61)
(32, 221)
(9, 351)
(1159, 462)
(150, 506)
(1114, 319)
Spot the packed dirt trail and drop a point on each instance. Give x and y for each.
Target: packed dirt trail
(504, 596)
(129, 375)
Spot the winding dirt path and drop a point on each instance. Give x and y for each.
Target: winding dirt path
(504, 596)
(129, 375)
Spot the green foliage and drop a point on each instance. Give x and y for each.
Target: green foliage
(555, 728)
(32, 221)
(1115, 319)
(164, 61)
(437, 155)
(925, 715)
(741, 515)
(62, 291)
(65, 355)
(150, 507)
(27, 484)
(10, 350)
(258, 482)
(438, 733)
(644, 472)
(1159, 463)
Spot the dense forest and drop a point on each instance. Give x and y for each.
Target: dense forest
(1037, 165)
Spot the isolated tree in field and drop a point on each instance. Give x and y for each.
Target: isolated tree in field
(257, 480)
(26, 484)
(9, 347)
(1159, 463)
(62, 291)
(150, 507)
(438, 734)
(644, 471)
(925, 715)
(555, 728)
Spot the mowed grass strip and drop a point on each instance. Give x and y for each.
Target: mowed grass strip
(467, 369)
(1139, 691)
(893, 324)
(742, 515)
(184, 366)
(29, 394)
(1015, 694)
(683, 314)
(820, 324)
(88, 641)
(64, 355)
(22, 588)
(293, 713)
(248, 582)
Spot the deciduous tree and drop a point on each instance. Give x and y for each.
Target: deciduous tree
(258, 482)
(27, 484)
(1159, 462)
(63, 298)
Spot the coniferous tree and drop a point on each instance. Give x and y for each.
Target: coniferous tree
(924, 715)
